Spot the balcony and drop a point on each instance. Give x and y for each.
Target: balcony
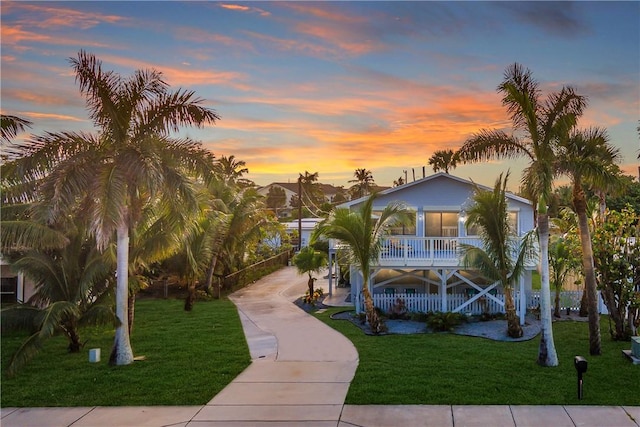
(409, 251)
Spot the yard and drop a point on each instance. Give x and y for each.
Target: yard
(191, 356)
(449, 369)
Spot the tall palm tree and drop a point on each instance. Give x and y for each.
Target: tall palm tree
(131, 162)
(363, 183)
(561, 263)
(232, 170)
(503, 256)
(443, 160)
(362, 233)
(538, 124)
(588, 158)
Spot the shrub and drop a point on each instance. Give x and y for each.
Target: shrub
(442, 322)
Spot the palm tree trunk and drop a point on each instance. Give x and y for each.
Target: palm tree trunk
(122, 354)
(547, 355)
(589, 271)
(556, 309)
(375, 323)
(514, 330)
(191, 296)
(132, 310)
(212, 267)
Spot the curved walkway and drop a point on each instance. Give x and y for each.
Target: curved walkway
(300, 376)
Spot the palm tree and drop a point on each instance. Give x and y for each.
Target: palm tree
(130, 163)
(539, 124)
(72, 287)
(588, 158)
(11, 125)
(232, 170)
(398, 182)
(309, 261)
(444, 160)
(362, 233)
(561, 263)
(363, 183)
(501, 257)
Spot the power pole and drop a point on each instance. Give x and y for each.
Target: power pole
(300, 213)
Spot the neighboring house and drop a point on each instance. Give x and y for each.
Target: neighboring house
(306, 224)
(14, 287)
(421, 265)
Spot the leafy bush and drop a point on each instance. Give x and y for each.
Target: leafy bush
(313, 299)
(442, 322)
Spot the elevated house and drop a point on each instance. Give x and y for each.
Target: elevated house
(421, 264)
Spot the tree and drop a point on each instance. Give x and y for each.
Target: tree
(630, 195)
(616, 248)
(276, 198)
(538, 124)
(72, 287)
(502, 257)
(362, 233)
(232, 170)
(443, 160)
(309, 261)
(588, 158)
(561, 263)
(131, 162)
(398, 182)
(363, 183)
(311, 196)
(11, 125)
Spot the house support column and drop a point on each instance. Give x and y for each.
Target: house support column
(523, 300)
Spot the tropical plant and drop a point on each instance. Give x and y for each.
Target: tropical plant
(363, 183)
(539, 124)
(11, 125)
(231, 171)
(443, 160)
(616, 248)
(276, 199)
(72, 289)
(362, 232)
(398, 182)
(589, 159)
(310, 261)
(561, 262)
(503, 256)
(130, 163)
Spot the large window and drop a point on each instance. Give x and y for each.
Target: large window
(441, 224)
(513, 225)
(399, 229)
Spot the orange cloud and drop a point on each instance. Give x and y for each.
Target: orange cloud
(242, 8)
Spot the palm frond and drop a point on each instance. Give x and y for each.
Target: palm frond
(27, 351)
(19, 317)
(22, 235)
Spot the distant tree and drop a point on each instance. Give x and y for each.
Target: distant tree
(630, 195)
(232, 170)
(398, 182)
(309, 261)
(443, 160)
(562, 261)
(364, 183)
(340, 196)
(312, 196)
(276, 199)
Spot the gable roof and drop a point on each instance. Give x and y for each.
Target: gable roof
(425, 180)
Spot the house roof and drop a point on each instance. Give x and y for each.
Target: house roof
(423, 181)
(293, 186)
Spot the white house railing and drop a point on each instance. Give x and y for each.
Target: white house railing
(494, 303)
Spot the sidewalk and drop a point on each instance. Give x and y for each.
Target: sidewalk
(300, 375)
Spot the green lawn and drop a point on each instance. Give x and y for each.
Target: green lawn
(452, 369)
(190, 357)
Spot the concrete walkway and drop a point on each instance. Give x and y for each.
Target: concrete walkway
(300, 375)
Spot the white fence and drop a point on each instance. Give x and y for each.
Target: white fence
(425, 303)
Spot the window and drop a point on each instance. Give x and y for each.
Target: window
(513, 225)
(399, 230)
(441, 224)
(9, 289)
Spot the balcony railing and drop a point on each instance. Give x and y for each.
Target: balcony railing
(405, 250)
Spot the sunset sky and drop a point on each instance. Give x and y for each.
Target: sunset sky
(329, 87)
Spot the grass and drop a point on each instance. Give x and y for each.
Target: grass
(451, 369)
(190, 357)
